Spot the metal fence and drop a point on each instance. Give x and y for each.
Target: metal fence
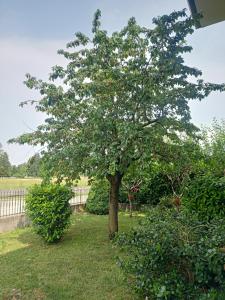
(12, 202)
(80, 196)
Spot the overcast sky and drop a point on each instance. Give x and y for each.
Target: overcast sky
(32, 31)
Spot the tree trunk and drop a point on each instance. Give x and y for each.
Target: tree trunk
(115, 182)
(131, 208)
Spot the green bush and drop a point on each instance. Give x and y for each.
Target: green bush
(205, 195)
(167, 202)
(150, 193)
(154, 189)
(49, 210)
(98, 198)
(174, 256)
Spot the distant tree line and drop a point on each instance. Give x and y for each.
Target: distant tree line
(5, 166)
(30, 168)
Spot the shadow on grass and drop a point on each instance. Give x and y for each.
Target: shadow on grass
(81, 266)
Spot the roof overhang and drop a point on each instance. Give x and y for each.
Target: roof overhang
(212, 11)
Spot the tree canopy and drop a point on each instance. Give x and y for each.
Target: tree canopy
(213, 144)
(34, 165)
(5, 166)
(121, 97)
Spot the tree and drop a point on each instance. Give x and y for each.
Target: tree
(20, 170)
(179, 162)
(120, 96)
(33, 166)
(213, 145)
(5, 166)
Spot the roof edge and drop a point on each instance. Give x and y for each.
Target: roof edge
(194, 12)
(193, 7)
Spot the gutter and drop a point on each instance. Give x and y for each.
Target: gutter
(194, 12)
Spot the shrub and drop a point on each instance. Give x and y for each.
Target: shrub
(150, 193)
(98, 198)
(173, 256)
(154, 189)
(167, 202)
(49, 210)
(205, 195)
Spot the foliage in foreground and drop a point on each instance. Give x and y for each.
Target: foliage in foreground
(174, 256)
(49, 210)
(205, 196)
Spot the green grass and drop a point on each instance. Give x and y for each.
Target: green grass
(18, 183)
(82, 266)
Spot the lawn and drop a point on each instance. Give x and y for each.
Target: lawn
(82, 266)
(19, 183)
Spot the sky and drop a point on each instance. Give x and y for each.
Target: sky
(31, 32)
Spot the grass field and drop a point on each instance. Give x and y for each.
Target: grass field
(17, 183)
(83, 266)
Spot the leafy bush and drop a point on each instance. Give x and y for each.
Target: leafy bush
(98, 198)
(154, 189)
(150, 193)
(205, 195)
(49, 210)
(167, 202)
(173, 256)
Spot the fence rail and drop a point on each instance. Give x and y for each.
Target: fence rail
(12, 202)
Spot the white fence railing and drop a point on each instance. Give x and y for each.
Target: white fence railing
(12, 202)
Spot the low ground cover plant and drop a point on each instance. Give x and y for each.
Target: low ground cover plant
(173, 255)
(49, 210)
